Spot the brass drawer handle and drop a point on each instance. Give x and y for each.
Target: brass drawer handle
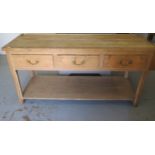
(80, 63)
(33, 62)
(126, 62)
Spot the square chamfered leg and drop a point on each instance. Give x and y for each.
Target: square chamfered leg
(16, 80)
(141, 81)
(139, 88)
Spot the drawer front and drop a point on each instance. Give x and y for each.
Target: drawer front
(131, 62)
(32, 61)
(77, 61)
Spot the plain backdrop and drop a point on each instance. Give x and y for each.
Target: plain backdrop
(5, 38)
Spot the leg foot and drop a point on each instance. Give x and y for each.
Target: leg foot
(135, 102)
(21, 101)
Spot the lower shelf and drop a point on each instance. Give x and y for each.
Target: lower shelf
(78, 88)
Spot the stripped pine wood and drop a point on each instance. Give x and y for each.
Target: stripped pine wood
(79, 88)
(85, 52)
(78, 41)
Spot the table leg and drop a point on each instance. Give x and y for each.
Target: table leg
(34, 73)
(139, 88)
(16, 79)
(126, 74)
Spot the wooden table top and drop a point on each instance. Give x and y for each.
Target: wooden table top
(78, 41)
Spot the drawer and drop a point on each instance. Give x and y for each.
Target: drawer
(77, 61)
(32, 61)
(131, 62)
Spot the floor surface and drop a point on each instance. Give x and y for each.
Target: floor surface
(39, 110)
